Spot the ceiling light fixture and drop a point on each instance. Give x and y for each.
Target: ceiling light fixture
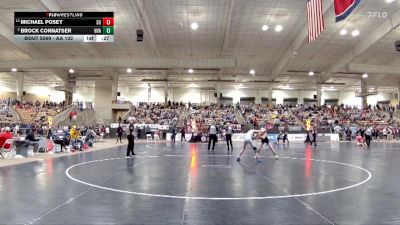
(14, 70)
(355, 33)
(192, 85)
(190, 70)
(129, 70)
(194, 26)
(389, 1)
(71, 71)
(264, 27)
(343, 32)
(238, 86)
(311, 73)
(365, 76)
(278, 28)
(252, 72)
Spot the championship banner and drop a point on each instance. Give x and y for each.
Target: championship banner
(343, 8)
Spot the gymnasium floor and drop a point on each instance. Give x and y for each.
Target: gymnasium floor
(336, 183)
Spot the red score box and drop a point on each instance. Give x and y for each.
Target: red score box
(108, 21)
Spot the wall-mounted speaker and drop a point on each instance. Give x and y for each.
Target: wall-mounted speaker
(139, 35)
(24, 93)
(215, 95)
(118, 94)
(397, 44)
(220, 95)
(315, 96)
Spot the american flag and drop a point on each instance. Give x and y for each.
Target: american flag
(315, 19)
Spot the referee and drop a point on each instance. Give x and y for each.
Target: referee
(228, 136)
(212, 136)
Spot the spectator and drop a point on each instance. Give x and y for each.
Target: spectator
(120, 131)
(33, 141)
(173, 136)
(75, 134)
(4, 137)
(183, 133)
(107, 132)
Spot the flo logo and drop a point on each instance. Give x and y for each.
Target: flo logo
(378, 15)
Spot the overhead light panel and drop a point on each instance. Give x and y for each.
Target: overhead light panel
(365, 76)
(252, 72)
(311, 73)
(278, 28)
(14, 70)
(389, 1)
(343, 32)
(129, 70)
(190, 70)
(194, 26)
(264, 27)
(71, 71)
(355, 33)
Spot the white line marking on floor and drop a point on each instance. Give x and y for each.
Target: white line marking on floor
(214, 198)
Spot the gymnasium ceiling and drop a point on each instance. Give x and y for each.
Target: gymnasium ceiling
(227, 29)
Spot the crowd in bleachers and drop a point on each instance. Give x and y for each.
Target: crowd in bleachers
(343, 115)
(207, 114)
(37, 112)
(157, 113)
(259, 115)
(5, 112)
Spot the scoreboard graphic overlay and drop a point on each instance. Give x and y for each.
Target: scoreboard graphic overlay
(64, 26)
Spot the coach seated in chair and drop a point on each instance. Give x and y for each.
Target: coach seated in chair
(90, 137)
(33, 141)
(57, 140)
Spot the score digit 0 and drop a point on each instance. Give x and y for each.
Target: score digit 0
(108, 22)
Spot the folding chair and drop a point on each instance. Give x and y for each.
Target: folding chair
(57, 147)
(148, 136)
(10, 150)
(156, 137)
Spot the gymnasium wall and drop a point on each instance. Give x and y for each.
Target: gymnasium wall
(194, 95)
(83, 94)
(34, 93)
(43, 94)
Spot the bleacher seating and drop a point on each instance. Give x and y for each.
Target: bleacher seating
(38, 113)
(5, 112)
(156, 113)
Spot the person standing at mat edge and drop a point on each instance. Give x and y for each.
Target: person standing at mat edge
(183, 132)
(314, 135)
(228, 136)
(368, 135)
(120, 131)
(131, 145)
(212, 136)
